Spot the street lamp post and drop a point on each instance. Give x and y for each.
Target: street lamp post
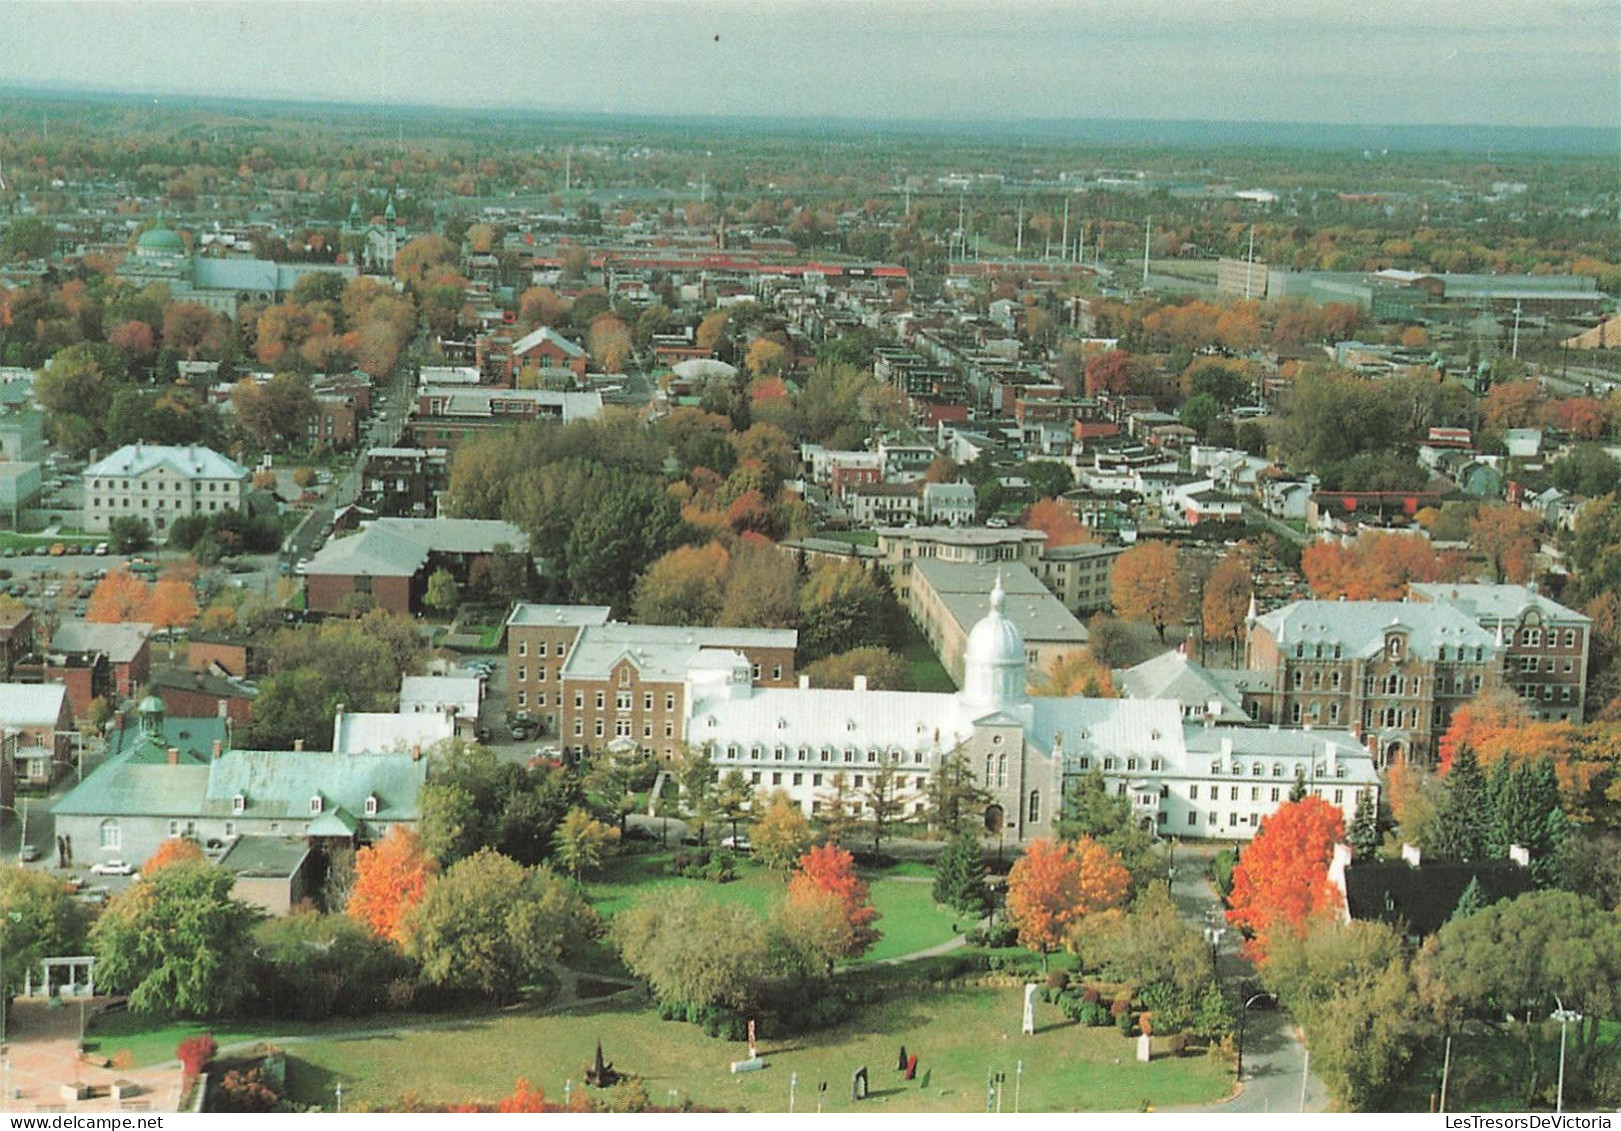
(1564, 1017)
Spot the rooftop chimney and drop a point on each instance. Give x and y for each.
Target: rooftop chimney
(298, 744)
(861, 683)
(174, 755)
(1412, 854)
(219, 749)
(804, 682)
(416, 752)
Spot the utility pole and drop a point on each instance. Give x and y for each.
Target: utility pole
(1446, 1070)
(1064, 241)
(1018, 235)
(1249, 267)
(1148, 232)
(1515, 353)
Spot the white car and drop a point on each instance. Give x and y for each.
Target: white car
(112, 868)
(739, 843)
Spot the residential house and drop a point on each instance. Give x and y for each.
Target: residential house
(391, 559)
(98, 661)
(37, 725)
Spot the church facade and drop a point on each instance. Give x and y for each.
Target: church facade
(1185, 778)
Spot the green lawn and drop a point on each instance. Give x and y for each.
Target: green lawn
(152, 1040)
(851, 537)
(911, 921)
(958, 1036)
(927, 673)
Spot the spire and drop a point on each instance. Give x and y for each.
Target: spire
(388, 212)
(998, 594)
(1251, 616)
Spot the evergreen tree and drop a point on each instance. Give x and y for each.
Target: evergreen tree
(1364, 836)
(1472, 900)
(959, 876)
(1091, 810)
(1297, 792)
(956, 799)
(1526, 811)
(1462, 828)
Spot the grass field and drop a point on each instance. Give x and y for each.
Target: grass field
(959, 1036)
(927, 674)
(911, 920)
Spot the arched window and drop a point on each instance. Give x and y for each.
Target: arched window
(111, 835)
(1035, 806)
(1001, 771)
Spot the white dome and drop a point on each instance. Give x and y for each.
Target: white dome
(993, 660)
(995, 640)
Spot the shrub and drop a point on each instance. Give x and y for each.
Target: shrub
(244, 1091)
(1178, 1044)
(1058, 980)
(196, 1053)
(1091, 993)
(1122, 1021)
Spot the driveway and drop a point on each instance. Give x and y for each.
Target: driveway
(1275, 1063)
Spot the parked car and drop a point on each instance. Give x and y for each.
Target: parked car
(101, 549)
(112, 868)
(738, 843)
(28, 853)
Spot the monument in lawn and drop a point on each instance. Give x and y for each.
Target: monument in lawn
(1029, 1008)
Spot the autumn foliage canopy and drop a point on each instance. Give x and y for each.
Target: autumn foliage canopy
(828, 870)
(1055, 883)
(390, 879)
(175, 850)
(1281, 882)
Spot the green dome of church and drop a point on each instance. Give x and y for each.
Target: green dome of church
(160, 241)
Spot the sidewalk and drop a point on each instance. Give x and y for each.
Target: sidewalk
(43, 1044)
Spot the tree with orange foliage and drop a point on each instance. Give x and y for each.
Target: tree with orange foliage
(609, 342)
(1378, 566)
(1054, 883)
(1108, 372)
(175, 850)
(1507, 536)
(390, 879)
(1148, 585)
(1227, 593)
(685, 586)
(1280, 884)
(829, 871)
(172, 603)
(1511, 404)
(525, 1099)
(119, 597)
(1056, 519)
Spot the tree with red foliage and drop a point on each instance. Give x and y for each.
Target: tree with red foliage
(829, 870)
(390, 879)
(1280, 884)
(196, 1053)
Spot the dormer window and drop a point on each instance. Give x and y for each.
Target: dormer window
(315, 805)
(371, 805)
(239, 803)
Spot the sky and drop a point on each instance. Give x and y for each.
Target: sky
(1375, 62)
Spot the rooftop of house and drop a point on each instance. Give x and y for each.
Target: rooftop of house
(120, 642)
(1171, 675)
(31, 704)
(399, 547)
(964, 589)
(1494, 604)
(376, 732)
(1424, 898)
(192, 462)
(265, 857)
(661, 652)
(560, 616)
(1360, 628)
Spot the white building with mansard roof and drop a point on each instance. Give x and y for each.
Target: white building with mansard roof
(1184, 778)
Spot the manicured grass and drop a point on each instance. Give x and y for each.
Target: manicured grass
(958, 1036)
(911, 921)
(851, 537)
(927, 673)
(152, 1040)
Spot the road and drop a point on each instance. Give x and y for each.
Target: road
(1274, 1059)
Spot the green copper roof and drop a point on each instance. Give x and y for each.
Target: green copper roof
(161, 239)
